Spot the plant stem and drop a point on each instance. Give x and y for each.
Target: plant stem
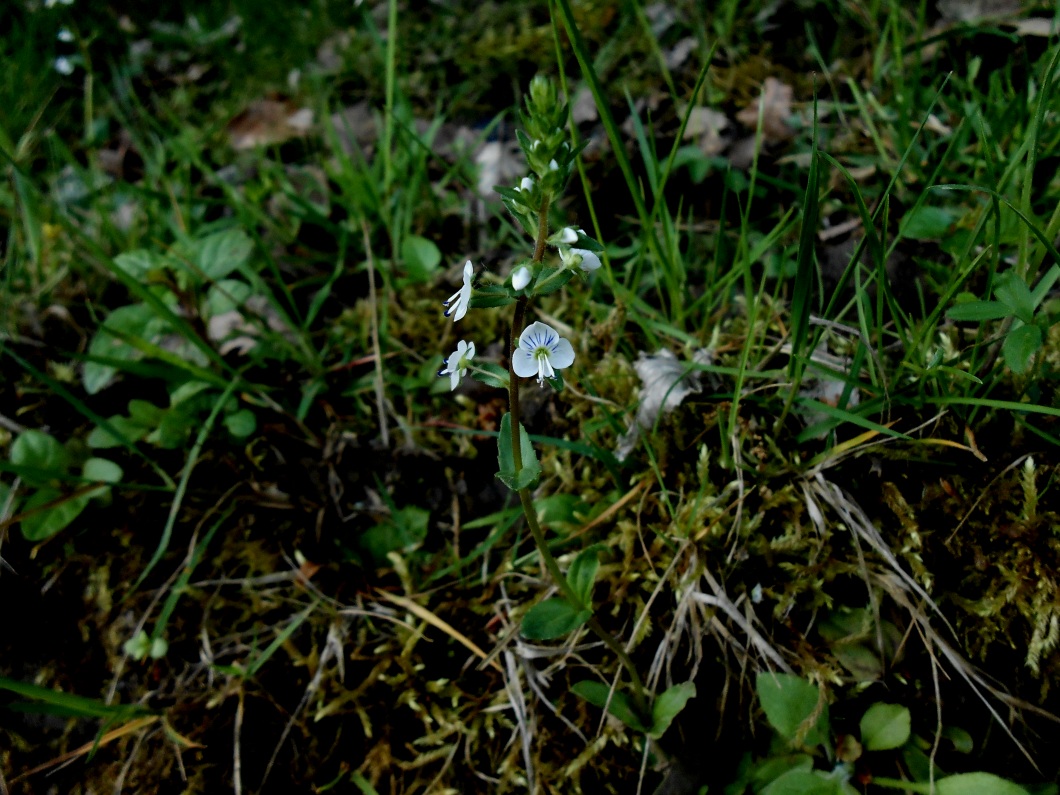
(639, 701)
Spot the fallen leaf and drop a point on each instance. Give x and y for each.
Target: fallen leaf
(266, 122)
(775, 104)
(665, 382)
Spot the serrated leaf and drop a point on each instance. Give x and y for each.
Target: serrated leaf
(553, 618)
(978, 311)
(529, 471)
(668, 706)
(620, 705)
(421, 257)
(1020, 345)
(884, 726)
(789, 702)
(582, 574)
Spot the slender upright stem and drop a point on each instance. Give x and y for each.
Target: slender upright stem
(518, 318)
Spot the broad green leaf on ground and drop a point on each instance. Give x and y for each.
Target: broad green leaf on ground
(404, 530)
(101, 470)
(217, 255)
(37, 450)
(668, 705)
(421, 257)
(44, 522)
(138, 264)
(801, 782)
(927, 223)
(135, 321)
(553, 618)
(793, 707)
(884, 726)
(978, 311)
(1020, 345)
(620, 705)
(241, 423)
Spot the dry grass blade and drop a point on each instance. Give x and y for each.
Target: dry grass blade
(107, 738)
(434, 621)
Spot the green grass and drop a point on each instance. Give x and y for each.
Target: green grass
(223, 437)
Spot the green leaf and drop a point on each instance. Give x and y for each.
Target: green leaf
(553, 618)
(977, 784)
(668, 705)
(582, 574)
(241, 423)
(801, 782)
(774, 767)
(621, 706)
(103, 471)
(136, 321)
(494, 375)
(217, 255)
(884, 726)
(227, 295)
(1020, 345)
(978, 311)
(927, 223)
(404, 530)
(530, 470)
(37, 450)
(138, 264)
(42, 523)
(1012, 291)
(421, 257)
(100, 438)
(790, 702)
(802, 299)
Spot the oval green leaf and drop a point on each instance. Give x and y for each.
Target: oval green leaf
(553, 618)
(884, 726)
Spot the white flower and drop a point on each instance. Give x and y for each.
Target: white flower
(541, 352)
(581, 258)
(461, 297)
(457, 363)
(64, 35)
(526, 185)
(520, 277)
(568, 236)
(63, 65)
(553, 165)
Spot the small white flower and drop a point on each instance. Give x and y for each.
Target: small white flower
(461, 297)
(526, 185)
(457, 363)
(568, 236)
(541, 352)
(65, 35)
(520, 277)
(553, 165)
(63, 65)
(581, 258)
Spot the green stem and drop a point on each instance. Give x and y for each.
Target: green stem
(639, 700)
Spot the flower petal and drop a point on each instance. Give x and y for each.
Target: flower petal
(524, 363)
(562, 354)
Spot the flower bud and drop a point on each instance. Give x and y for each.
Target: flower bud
(520, 277)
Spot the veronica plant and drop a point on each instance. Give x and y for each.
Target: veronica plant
(538, 351)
